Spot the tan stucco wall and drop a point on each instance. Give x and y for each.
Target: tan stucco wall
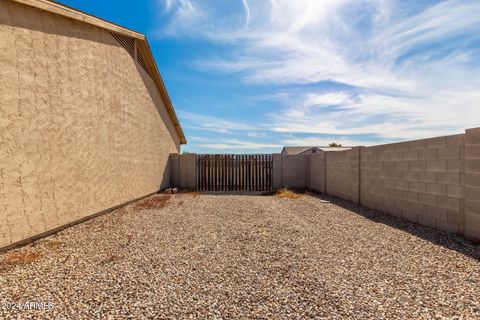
(82, 128)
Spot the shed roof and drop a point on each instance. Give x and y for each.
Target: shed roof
(141, 39)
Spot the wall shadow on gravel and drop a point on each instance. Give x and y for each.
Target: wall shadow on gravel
(438, 237)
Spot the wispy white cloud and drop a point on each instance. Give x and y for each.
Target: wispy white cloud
(247, 13)
(407, 69)
(376, 114)
(256, 134)
(186, 14)
(327, 99)
(232, 144)
(167, 4)
(209, 123)
(325, 141)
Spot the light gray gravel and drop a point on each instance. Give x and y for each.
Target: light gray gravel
(243, 257)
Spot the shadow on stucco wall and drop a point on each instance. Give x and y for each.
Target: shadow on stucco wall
(159, 104)
(165, 176)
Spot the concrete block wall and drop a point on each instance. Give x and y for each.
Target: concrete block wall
(277, 171)
(294, 172)
(317, 172)
(343, 174)
(183, 172)
(472, 184)
(420, 181)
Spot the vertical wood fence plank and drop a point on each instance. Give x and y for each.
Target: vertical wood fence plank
(224, 175)
(249, 173)
(231, 175)
(202, 173)
(234, 176)
(199, 173)
(262, 172)
(242, 173)
(257, 173)
(220, 173)
(265, 172)
(205, 172)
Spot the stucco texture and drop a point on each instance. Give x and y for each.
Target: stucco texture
(82, 127)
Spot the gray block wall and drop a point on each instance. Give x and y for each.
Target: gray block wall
(472, 184)
(317, 172)
(183, 174)
(343, 174)
(277, 171)
(295, 172)
(420, 181)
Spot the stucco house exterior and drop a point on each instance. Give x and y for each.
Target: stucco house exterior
(85, 121)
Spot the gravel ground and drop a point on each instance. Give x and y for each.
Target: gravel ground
(239, 256)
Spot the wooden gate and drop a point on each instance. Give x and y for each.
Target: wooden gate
(234, 172)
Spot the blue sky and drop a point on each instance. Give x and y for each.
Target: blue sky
(250, 76)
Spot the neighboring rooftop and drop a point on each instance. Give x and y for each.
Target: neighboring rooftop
(303, 150)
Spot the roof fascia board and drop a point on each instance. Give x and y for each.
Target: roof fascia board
(61, 9)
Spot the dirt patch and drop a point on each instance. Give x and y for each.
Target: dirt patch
(53, 244)
(287, 194)
(154, 202)
(190, 193)
(19, 258)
